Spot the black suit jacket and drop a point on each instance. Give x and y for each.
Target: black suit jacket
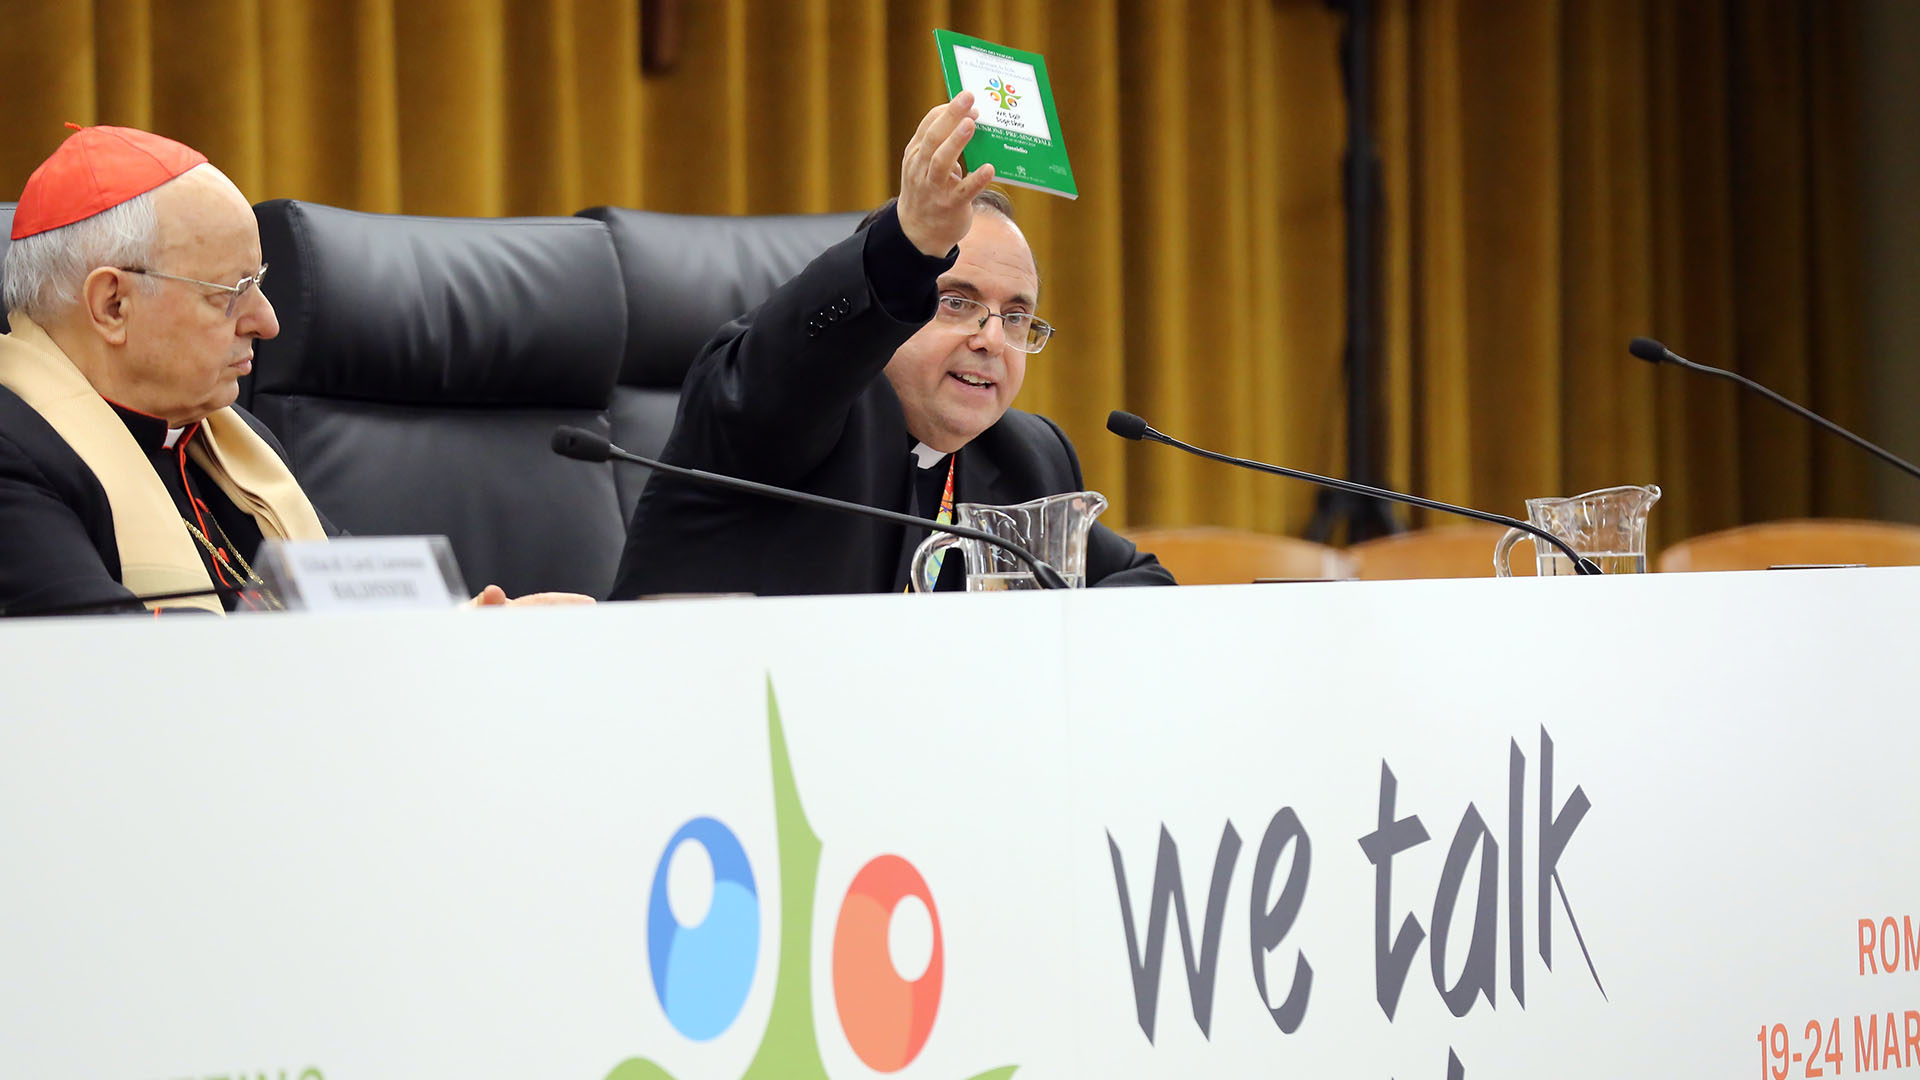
(793, 394)
(57, 545)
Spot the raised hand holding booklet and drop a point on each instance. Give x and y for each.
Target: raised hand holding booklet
(1019, 133)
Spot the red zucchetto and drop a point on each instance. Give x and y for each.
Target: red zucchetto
(96, 169)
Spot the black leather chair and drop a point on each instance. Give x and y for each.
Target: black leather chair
(6, 231)
(686, 277)
(421, 367)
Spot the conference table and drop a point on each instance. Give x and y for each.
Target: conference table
(1652, 825)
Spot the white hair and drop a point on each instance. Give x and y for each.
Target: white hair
(44, 272)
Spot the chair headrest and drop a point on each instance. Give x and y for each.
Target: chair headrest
(6, 230)
(688, 275)
(527, 312)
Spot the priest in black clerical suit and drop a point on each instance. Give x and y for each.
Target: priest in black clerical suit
(882, 374)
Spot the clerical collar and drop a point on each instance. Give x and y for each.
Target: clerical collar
(926, 457)
(150, 431)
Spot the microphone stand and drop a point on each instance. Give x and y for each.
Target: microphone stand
(127, 602)
(1655, 353)
(1581, 564)
(1365, 518)
(583, 445)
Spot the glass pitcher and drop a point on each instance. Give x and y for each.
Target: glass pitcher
(1608, 526)
(1054, 529)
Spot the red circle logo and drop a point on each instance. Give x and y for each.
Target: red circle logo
(887, 1018)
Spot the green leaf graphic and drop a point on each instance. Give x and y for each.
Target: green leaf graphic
(788, 1048)
(638, 1069)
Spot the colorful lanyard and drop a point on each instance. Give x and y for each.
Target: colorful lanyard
(944, 517)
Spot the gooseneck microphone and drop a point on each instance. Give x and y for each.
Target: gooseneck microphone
(583, 445)
(91, 607)
(1128, 426)
(1655, 353)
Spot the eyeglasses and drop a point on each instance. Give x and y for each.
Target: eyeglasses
(239, 290)
(1024, 332)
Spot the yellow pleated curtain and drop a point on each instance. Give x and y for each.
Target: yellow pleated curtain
(1560, 176)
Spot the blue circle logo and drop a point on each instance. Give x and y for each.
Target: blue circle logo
(701, 974)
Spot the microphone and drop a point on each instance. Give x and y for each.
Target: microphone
(87, 607)
(583, 445)
(1128, 426)
(1655, 353)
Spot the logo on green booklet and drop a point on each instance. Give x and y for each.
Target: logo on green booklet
(1002, 93)
(701, 974)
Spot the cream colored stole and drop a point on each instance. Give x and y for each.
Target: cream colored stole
(157, 554)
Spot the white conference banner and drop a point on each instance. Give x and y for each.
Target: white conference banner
(1583, 828)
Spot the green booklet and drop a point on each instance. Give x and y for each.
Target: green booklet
(1019, 132)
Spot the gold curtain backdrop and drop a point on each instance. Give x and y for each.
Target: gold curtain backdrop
(1560, 175)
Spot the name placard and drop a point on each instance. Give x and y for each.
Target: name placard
(362, 573)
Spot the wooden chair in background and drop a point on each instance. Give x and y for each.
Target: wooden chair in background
(1212, 555)
(1795, 543)
(1453, 551)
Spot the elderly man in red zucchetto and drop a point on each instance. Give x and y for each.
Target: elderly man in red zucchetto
(133, 288)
